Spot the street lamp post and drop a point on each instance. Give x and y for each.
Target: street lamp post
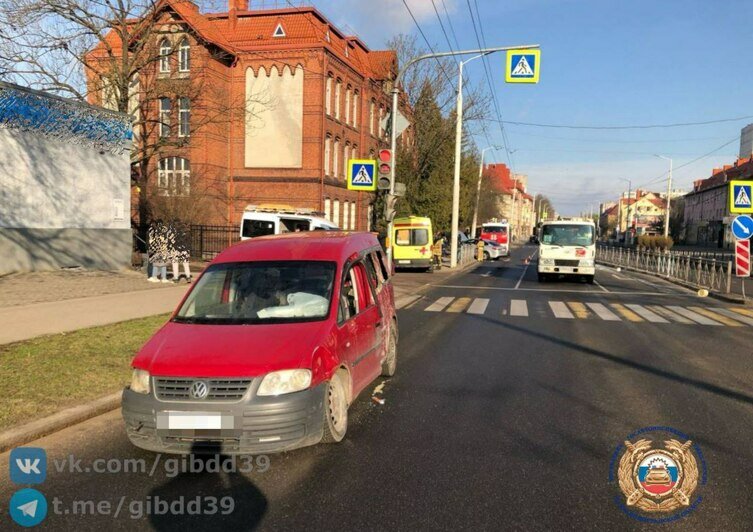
(458, 138)
(629, 218)
(669, 194)
(478, 189)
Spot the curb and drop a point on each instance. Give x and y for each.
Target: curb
(715, 295)
(58, 421)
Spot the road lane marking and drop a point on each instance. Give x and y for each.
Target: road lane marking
(559, 291)
(439, 304)
(626, 313)
(672, 316)
(530, 260)
(478, 306)
(459, 305)
(560, 310)
(714, 316)
(518, 307)
(603, 312)
(734, 315)
(744, 311)
(692, 315)
(579, 309)
(646, 314)
(597, 283)
(408, 301)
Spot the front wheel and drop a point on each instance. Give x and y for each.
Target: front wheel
(542, 277)
(590, 279)
(487, 256)
(335, 410)
(389, 365)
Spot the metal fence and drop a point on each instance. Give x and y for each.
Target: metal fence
(208, 241)
(711, 274)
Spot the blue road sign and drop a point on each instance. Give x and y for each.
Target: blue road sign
(742, 227)
(740, 197)
(361, 174)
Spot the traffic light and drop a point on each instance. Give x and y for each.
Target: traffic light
(384, 169)
(390, 207)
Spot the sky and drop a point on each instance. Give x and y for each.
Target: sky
(603, 63)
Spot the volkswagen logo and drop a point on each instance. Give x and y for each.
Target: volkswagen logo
(199, 390)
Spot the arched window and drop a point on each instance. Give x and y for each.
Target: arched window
(354, 151)
(336, 159)
(338, 90)
(184, 117)
(355, 109)
(352, 216)
(328, 96)
(347, 105)
(345, 215)
(372, 107)
(327, 155)
(184, 55)
(165, 107)
(336, 213)
(327, 209)
(346, 153)
(174, 176)
(164, 55)
(381, 119)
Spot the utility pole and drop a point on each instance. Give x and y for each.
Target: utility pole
(458, 137)
(619, 207)
(669, 195)
(478, 189)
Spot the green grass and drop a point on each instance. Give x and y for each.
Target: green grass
(44, 375)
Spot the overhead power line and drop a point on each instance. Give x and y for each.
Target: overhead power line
(646, 126)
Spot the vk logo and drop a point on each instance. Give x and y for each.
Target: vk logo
(28, 507)
(28, 465)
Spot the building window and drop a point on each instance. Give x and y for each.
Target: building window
(328, 97)
(345, 215)
(184, 117)
(164, 55)
(338, 90)
(184, 56)
(347, 105)
(279, 31)
(352, 216)
(370, 215)
(327, 155)
(327, 209)
(165, 106)
(355, 109)
(346, 150)
(336, 159)
(354, 151)
(174, 177)
(336, 213)
(372, 107)
(381, 121)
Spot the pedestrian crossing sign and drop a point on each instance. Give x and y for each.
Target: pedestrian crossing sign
(523, 66)
(361, 174)
(741, 197)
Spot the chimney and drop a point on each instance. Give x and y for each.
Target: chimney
(237, 5)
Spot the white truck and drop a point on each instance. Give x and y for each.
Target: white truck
(567, 247)
(260, 220)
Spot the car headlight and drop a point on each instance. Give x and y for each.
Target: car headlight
(587, 263)
(140, 381)
(546, 262)
(285, 381)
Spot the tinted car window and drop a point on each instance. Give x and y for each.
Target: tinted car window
(412, 237)
(253, 228)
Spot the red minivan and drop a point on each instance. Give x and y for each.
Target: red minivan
(269, 348)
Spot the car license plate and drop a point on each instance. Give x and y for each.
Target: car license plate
(403, 262)
(173, 420)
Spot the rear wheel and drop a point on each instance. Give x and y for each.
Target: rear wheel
(335, 410)
(487, 256)
(389, 366)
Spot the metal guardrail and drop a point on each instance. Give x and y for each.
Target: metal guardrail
(711, 274)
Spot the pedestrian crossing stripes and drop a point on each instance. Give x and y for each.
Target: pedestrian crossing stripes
(576, 310)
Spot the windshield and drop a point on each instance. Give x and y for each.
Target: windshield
(495, 229)
(260, 292)
(567, 235)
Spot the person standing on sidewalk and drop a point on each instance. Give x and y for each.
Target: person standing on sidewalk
(157, 251)
(179, 242)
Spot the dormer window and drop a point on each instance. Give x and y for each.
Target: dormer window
(279, 31)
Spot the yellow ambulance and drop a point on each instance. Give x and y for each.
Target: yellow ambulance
(412, 239)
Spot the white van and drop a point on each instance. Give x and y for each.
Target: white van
(567, 247)
(276, 220)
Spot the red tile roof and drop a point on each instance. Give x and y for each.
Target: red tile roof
(741, 169)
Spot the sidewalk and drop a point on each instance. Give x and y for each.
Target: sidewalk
(28, 321)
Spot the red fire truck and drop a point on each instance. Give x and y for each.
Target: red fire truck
(498, 233)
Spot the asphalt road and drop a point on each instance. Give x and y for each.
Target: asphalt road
(510, 399)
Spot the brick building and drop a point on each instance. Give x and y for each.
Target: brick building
(514, 204)
(285, 99)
